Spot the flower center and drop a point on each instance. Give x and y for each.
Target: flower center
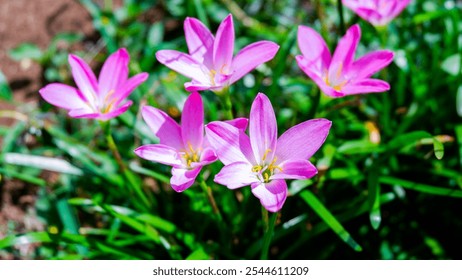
(108, 104)
(190, 156)
(336, 81)
(264, 171)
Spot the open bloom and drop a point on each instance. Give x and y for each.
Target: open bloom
(262, 160)
(101, 99)
(184, 148)
(210, 63)
(377, 12)
(340, 74)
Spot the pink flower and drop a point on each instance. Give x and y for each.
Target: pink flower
(340, 74)
(210, 63)
(95, 99)
(377, 12)
(184, 148)
(262, 160)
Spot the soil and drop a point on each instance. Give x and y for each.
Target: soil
(37, 22)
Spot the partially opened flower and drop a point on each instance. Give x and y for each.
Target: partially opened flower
(377, 12)
(182, 147)
(262, 160)
(341, 75)
(101, 99)
(210, 63)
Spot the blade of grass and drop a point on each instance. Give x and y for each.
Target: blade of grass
(329, 219)
(421, 187)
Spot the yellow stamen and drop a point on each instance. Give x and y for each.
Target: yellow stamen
(266, 179)
(257, 168)
(266, 154)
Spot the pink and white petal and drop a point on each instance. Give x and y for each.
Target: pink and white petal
(116, 112)
(183, 178)
(84, 78)
(240, 123)
(272, 195)
(370, 64)
(199, 40)
(192, 122)
(208, 156)
(114, 73)
(313, 47)
(366, 86)
(230, 143)
(263, 128)
(163, 126)
(303, 140)
(197, 86)
(345, 52)
(160, 153)
(295, 170)
(373, 17)
(251, 57)
(223, 47)
(84, 113)
(183, 64)
(236, 175)
(63, 96)
(130, 85)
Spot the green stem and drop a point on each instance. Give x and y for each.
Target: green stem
(340, 14)
(269, 228)
(228, 105)
(387, 106)
(208, 192)
(128, 175)
(315, 102)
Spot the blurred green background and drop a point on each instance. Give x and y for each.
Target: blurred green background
(389, 183)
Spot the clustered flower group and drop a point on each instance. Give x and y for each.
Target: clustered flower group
(260, 158)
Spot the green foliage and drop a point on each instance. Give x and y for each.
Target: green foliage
(389, 182)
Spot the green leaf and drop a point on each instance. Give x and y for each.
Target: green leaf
(199, 254)
(26, 50)
(421, 187)
(329, 219)
(28, 238)
(451, 65)
(5, 91)
(45, 163)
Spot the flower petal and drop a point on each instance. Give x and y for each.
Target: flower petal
(251, 57)
(296, 170)
(236, 175)
(223, 46)
(303, 140)
(114, 73)
(197, 86)
(192, 122)
(263, 128)
(63, 96)
(183, 64)
(163, 126)
(160, 153)
(370, 64)
(84, 78)
(230, 143)
(366, 86)
(313, 48)
(345, 52)
(183, 178)
(199, 40)
(84, 113)
(272, 195)
(126, 89)
(240, 123)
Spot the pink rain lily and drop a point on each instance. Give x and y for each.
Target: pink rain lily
(184, 148)
(210, 63)
(95, 99)
(262, 160)
(341, 75)
(377, 12)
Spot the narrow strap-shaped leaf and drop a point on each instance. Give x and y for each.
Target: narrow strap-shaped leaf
(421, 187)
(329, 219)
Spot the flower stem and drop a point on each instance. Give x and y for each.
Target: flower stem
(208, 192)
(269, 228)
(340, 14)
(128, 175)
(228, 105)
